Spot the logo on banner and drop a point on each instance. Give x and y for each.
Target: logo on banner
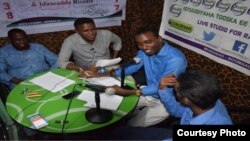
(240, 47)
(223, 6)
(195, 2)
(185, 1)
(238, 9)
(248, 12)
(208, 4)
(175, 10)
(208, 36)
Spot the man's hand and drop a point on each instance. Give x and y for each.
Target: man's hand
(122, 91)
(118, 90)
(15, 80)
(168, 80)
(92, 68)
(88, 74)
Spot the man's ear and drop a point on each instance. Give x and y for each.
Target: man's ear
(186, 101)
(161, 40)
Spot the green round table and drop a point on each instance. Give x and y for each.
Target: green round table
(53, 107)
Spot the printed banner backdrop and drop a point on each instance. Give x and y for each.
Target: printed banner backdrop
(38, 16)
(217, 29)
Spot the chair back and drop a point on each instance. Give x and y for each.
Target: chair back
(4, 91)
(9, 125)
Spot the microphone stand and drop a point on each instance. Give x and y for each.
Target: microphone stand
(122, 75)
(123, 78)
(98, 115)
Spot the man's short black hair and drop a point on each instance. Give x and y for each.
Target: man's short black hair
(202, 88)
(145, 29)
(15, 30)
(80, 21)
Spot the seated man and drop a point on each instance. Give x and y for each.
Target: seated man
(87, 46)
(21, 59)
(158, 59)
(198, 103)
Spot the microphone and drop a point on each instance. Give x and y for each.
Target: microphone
(100, 88)
(135, 60)
(92, 49)
(110, 91)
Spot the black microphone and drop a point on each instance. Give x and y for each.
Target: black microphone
(135, 60)
(92, 50)
(100, 88)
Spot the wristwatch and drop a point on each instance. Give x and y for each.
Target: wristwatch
(138, 92)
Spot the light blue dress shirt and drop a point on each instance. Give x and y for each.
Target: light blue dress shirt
(169, 60)
(218, 115)
(25, 63)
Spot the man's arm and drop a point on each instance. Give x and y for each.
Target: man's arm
(126, 92)
(115, 54)
(15, 80)
(50, 57)
(116, 44)
(168, 99)
(72, 66)
(4, 76)
(64, 55)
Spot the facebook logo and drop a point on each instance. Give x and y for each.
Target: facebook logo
(240, 47)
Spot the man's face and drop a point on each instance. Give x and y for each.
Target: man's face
(20, 41)
(87, 32)
(149, 43)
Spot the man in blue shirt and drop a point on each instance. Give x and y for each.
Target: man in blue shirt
(21, 59)
(158, 59)
(198, 103)
(198, 93)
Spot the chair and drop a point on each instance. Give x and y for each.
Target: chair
(7, 124)
(4, 91)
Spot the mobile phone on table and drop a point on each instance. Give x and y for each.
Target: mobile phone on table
(37, 121)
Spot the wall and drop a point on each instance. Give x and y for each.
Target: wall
(236, 85)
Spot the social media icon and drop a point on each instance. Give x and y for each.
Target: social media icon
(208, 36)
(240, 46)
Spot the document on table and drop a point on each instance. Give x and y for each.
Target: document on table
(104, 81)
(52, 82)
(109, 102)
(107, 62)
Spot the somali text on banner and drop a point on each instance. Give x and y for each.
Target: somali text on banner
(38, 16)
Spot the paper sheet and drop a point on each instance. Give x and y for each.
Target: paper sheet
(107, 62)
(104, 81)
(109, 102)
(52, 82)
